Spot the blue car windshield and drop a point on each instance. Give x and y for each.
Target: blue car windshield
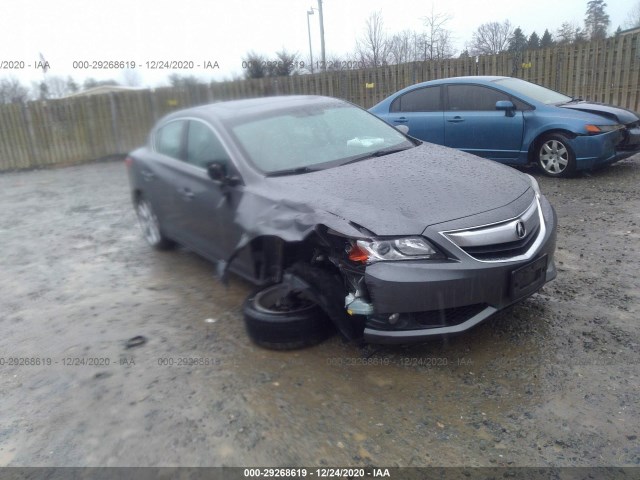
(314, 137)
(533, 91)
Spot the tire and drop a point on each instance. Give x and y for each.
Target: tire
(280, 319)
(555, 157)
(150, 225)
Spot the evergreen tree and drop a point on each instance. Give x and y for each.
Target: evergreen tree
(534, 41)
(517, 41)
(597, 20)
(547, 40)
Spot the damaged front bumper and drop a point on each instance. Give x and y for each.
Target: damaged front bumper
(630, 145)
(415, 300)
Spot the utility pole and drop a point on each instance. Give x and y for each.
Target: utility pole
(324, 60)
(310, 12)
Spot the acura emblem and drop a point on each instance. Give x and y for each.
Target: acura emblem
(520, 230)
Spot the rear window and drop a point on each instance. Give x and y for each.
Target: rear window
(168, 139)
(420, 100)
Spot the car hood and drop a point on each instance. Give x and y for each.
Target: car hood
(397, 194)
(618, 114)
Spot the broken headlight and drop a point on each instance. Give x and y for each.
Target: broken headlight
(407, 248)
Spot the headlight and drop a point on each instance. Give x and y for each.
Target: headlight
(408, 248)
(534, 185)
(595, 129)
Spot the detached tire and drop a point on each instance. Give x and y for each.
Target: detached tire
(280, 319)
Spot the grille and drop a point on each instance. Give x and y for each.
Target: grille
(503, 251)
(501, 241)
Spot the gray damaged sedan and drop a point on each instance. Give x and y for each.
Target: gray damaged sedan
(342, 220)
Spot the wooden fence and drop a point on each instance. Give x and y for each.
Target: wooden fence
(77, 129)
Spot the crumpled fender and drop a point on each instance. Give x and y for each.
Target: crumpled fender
(290, 221)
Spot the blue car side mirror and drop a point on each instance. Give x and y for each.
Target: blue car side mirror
(508, 107)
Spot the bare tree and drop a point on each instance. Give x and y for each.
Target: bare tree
(12, 91)
(436, 39)
(402, 47)
(491, 38)
(633, 17)
(53, 86)
(569, 33)
(373, 47)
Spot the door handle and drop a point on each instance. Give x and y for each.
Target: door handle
(456, 119)
(400, 120)
(186, 193)
(147, 175)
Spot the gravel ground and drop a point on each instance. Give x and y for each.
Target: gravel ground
(552, 381)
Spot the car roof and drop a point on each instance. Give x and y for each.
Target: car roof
(252, 107)
(485, 79)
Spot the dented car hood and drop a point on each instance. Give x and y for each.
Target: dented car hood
(618, 114)
(396, 194)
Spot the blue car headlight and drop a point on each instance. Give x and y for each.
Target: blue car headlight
(597, 129)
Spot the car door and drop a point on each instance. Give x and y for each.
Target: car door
(207, 207)
(420, 110)
(472, 123)
(158, 174)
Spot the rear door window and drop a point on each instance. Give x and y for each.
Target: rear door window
(169, 139)
(419, 100)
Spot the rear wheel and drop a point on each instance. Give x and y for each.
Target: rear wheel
(280, 318)
(150, 225)
(555, 157)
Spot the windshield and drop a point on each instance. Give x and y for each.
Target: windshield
(314, 137)
(534, 91)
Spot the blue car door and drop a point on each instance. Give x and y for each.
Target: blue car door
(473, 124)
(420, 110)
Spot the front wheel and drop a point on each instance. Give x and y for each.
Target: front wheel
(280, 318)
(150, 225)
(555, 157)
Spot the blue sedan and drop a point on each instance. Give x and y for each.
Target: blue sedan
(515, 122)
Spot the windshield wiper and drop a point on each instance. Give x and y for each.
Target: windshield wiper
(291, 171)
(377, 153)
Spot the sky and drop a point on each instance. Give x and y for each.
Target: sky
(221, 32)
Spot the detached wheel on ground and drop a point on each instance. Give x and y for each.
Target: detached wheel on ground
(150, 225)
(555, 157)
(279, 318)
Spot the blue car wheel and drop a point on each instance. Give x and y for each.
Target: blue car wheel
(555, 156)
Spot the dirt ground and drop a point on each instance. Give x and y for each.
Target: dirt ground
(552, 381)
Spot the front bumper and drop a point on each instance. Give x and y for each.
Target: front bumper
(436, 298)
(630, 145)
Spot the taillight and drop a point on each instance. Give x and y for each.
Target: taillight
(128, 161)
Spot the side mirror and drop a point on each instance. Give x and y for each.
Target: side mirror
(403, 128)
(508, 107)
(217, 172)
